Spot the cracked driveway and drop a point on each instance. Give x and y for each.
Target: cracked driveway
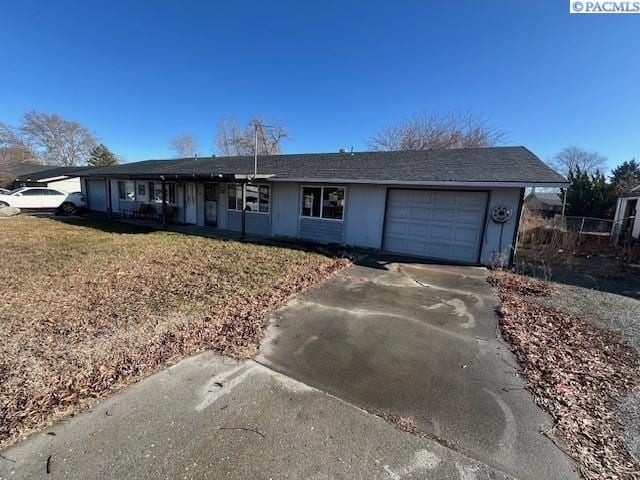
(418, 340)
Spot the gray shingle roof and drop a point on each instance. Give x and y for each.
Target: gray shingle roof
(491, 164)
(52, 172)
(36, 172)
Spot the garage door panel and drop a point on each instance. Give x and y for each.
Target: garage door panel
(445, 198)
(420, 213)
(417, 247)
(400, 195)
(398, 212)
(472, 217)
(435, 223)
(421, 196)
(417, 229)
(441, 232)
(439, 250)
(443, 214)
(396, 228)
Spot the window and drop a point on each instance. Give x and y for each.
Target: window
(323, 202)
(332, 202)
(251, 198)
(171, 193)
(234, 197)
(35, 191)
(311, 201)
(264, 198)
(142, 190)
(126, 190)
(155, 192)
(256, 197)
(53, 192)
(155, 196)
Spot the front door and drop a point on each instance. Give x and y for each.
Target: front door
(211, 204)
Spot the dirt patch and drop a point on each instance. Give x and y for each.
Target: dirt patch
(577, 372)
(85, 312)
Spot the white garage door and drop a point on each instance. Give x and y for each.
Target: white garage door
(97, 195)
(441, 224)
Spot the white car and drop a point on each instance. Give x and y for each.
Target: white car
(38, 198)
(4, 191)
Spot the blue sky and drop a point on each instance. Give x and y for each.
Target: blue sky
(137, 73)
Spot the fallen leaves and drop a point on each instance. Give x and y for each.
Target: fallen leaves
(85, 312)
(576, 371)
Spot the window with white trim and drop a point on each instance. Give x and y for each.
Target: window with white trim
(126, 190)
(234, 196)
(323, 202)
(155, 192)
(256, 197)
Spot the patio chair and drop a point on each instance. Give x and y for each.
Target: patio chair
(144, 210)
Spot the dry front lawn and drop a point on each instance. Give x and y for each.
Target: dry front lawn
(577, 372)
(88, 308)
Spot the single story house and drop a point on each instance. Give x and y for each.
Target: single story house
(545, 204)
(626, 222)
(458, 205)
(63, 179)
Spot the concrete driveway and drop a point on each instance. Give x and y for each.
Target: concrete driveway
(418, 340)
(407, 339)
(213, 418)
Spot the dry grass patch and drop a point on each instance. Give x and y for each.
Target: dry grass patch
(577, 372)
(84, 311)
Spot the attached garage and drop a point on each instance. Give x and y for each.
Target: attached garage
(439, 224)
(96, 193)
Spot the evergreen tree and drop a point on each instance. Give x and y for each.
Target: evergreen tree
(101, 156)
(625, 176)
(589, 195)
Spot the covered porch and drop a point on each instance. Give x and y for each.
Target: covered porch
(211, 201)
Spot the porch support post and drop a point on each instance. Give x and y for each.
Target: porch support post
(164, 203)
(243, 213)
(107, 184)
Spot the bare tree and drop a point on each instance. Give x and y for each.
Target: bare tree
(13, 150)
(572, 157)
(185, 145)
(55, 140)
(232, 140)
(437, 132)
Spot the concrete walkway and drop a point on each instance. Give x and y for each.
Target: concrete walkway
(211, 418)
(419, 340)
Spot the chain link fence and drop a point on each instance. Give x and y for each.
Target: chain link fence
(592, 225)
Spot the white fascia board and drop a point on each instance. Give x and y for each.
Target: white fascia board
(252, 176)
(55, 179)
(425, 183)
